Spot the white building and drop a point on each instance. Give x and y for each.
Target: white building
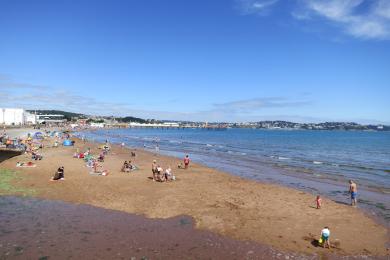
(166, 124)
(12, 116)
(30, 119)
(48, 119)
(97, 125)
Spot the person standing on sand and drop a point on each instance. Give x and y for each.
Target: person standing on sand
(186, 161)
(157, 149)
(318, 201)
(154, 170)
(325, 234)
(353, 191)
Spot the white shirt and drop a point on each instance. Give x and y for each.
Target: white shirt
(325, 232)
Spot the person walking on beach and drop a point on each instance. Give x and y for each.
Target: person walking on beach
(157, 149)
(325, 234)
(186, 162)
(353, 191)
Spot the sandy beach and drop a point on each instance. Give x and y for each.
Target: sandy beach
(241, 209)
(19, 132)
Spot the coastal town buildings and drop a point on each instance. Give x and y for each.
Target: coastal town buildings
(12, 116)
(19, 117)
(50, 119)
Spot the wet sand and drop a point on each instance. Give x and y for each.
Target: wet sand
(4, 155)
(42, 229)
(240, 209)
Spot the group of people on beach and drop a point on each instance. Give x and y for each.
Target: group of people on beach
(163, 176)
(160, 175)
(128, 167)
(325, 232)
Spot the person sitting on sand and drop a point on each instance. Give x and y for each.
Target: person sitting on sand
(318, 201)
(59, 175)
(160, 175)
(168, 173)
(95, 165)
(36, 156)
(101, 157)
(90, 163)
(325, 234)
(131, 166)
(125, 167)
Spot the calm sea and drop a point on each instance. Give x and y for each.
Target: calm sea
(320, 162)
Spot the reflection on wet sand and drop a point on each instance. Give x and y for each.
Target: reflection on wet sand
(42, 229)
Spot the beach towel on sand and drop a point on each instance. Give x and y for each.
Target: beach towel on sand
(27, 165)
(134, 168)
(102, 173)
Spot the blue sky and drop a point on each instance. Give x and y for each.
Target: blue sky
(220, 60)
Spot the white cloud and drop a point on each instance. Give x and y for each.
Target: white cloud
(255, 6)
(382, 8)
(365, 19)
(373, 23)
(29, 96)
(256, 104)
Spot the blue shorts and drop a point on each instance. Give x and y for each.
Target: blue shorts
(353, 195)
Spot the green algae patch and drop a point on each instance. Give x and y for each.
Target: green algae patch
(7, 184)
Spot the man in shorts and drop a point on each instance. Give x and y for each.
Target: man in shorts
(353, 191)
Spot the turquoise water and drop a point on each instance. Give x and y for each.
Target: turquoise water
(316, 161)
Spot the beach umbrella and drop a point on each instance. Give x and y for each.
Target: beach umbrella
(38, 135)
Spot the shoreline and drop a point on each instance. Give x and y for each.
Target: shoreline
(373, 200)
(225, 204)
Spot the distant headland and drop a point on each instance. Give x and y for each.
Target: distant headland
(36, 117)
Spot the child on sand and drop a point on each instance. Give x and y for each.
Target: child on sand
(318, 201)
(325, 233)
(186, 162)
